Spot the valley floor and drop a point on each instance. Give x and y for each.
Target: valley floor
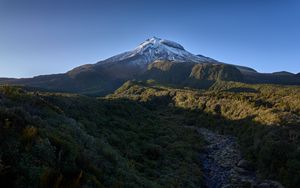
(223, 164)
(151, 136)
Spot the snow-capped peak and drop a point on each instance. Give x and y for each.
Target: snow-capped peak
(158, 49)
(155, 42)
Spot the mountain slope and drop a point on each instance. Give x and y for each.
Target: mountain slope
(158, 49)
(284, 73)
(208, 71)
(168, 72)
(272, 78)
(198, 75)
(107, 75)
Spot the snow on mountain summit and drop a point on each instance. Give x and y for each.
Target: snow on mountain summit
(158, 49)
(155, 42)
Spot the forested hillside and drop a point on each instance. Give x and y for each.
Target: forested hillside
(139, 135)
(66, 140)
(265, 118)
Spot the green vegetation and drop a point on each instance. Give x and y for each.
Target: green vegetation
(136, 137)
(65, 140)
(216, 72)
(191, 74)
(265, 118)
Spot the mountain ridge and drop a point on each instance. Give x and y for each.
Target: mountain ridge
(159, 49)
(107, 75)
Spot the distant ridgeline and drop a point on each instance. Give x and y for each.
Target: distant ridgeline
(158, 59)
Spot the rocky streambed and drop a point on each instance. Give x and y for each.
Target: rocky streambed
(224, 166)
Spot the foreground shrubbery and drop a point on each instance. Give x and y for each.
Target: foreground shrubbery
(265, 118)
(135, 137)
(61, 140)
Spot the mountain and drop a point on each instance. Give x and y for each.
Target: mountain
(285, 73)
(157, 49)
(283, 78)
(216, 72)
(199, 75)
(241, 68)
(107, 75)
(155, 58)
(168, 72)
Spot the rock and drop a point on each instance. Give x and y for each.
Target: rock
(263, 185)
(241, 171)
(223, 167)
(227, 186)
(275, 184)
(245, 164)
(269, 184)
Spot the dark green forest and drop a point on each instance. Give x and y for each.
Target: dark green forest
(67, 140)
(138, 136)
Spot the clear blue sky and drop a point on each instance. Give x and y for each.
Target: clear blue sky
(53, 36)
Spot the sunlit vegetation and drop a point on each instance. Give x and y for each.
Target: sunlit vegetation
(136, 137)
(265, 118)
(190, 74)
